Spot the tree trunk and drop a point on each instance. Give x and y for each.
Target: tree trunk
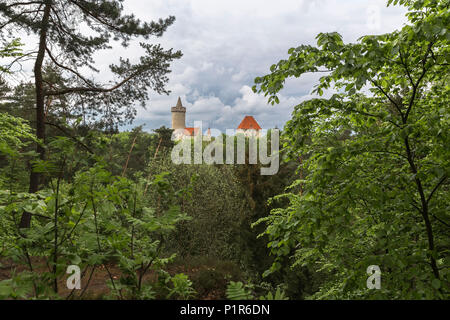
(424, 210)
(125, 167)
(35, 177)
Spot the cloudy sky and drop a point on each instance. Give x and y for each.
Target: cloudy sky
(227, 43)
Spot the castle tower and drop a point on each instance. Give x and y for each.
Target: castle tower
(249, 127)
(178, 116)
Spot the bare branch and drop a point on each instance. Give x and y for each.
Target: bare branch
(67, 68)
(389, 98)
(70, 136)
(91, 89)
(436, 187)
(416, 85)
(23, 3)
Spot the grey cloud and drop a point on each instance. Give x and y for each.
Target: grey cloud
(227, 43)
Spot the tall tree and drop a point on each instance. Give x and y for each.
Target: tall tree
(378, 182)
(69, 33)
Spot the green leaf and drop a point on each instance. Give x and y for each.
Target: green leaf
(436, 283)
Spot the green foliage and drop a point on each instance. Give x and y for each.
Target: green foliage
(10, 50)
(371, 187)
(210, 276)
(18, 287)
(182, 287)
(14, 133)
(209, 280)
(375, 190)
(96, 220)
(15, 136)
(279, 295)
(239, 291)
(215, 202)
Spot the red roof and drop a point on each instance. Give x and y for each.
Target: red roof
(191, 131)
(249, 123)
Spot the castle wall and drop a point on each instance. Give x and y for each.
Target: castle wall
(249, 132)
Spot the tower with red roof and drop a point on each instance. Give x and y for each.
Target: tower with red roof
(179, 122)
(249, 127)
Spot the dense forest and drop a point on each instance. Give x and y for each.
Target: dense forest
(363, 178)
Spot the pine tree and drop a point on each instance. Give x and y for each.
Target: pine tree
(70, 32)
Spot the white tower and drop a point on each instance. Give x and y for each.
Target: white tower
(178, 116)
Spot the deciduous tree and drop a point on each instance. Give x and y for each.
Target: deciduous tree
(378, 158)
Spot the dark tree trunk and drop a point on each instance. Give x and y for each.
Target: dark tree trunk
(35, 177)
(424, 210)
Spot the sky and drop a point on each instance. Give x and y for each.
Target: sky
(227, 43)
